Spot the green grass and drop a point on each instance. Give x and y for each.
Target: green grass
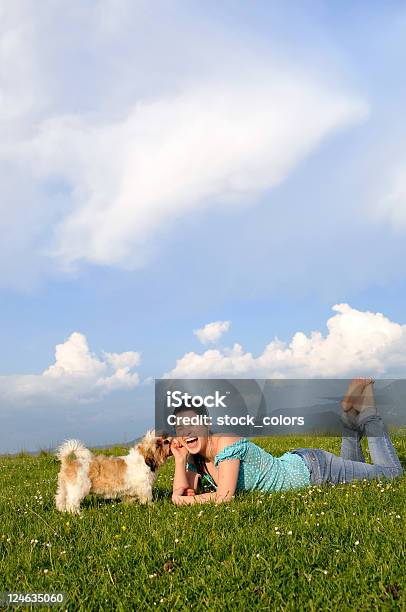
(322, 548)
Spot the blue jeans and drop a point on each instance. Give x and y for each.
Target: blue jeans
(327, 467)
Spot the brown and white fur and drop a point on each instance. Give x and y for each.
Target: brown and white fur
(130, 477)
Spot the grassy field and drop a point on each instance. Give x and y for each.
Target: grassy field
(323, 548)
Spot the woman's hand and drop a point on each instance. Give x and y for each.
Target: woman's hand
(184, 491)
(204, 498)
(178, 451)
(182, 500)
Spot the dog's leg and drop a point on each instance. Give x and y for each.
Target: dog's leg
(145, 497)
(73, 498)
(60, 497)
(128, 499)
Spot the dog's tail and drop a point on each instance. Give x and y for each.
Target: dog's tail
(74, 449)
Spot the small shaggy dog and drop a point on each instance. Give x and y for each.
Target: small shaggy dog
(129, 477)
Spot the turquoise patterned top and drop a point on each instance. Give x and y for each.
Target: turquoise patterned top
(261, 471)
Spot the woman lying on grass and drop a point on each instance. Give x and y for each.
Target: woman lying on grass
(233, 464)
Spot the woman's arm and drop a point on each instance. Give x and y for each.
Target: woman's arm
(183, 479)
(227, 483)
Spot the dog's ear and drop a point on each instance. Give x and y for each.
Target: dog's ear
(151, 463)
(149, 456)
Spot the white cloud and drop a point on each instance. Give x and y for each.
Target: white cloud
(212, 332)
(77, 375)
(128, 359)
(213, 143)
(73, 357)
(102, 157)
(356, 342)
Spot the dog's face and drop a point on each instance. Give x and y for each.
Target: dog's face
(155, 449)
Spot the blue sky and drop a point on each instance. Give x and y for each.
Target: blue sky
(166, 167)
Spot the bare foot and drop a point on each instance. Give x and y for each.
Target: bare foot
(368, 399)
(354, 398)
